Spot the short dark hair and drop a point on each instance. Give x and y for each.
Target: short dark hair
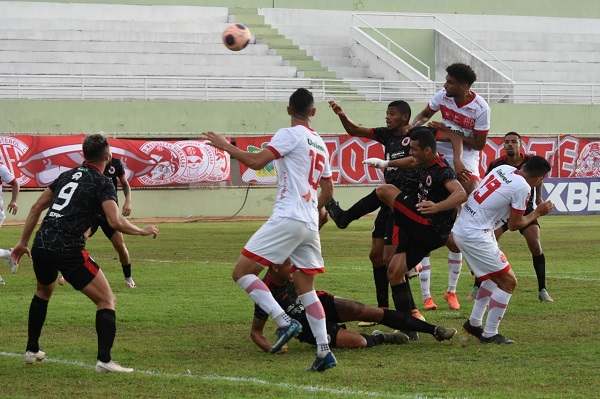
(537, 166)
(513, 134)
(94, 146)
(462, 72)
(301, 103)
(425, 136)
(401, 106)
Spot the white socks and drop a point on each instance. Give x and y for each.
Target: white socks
(261, 296)
(425, 278)
(454, 268)
(316, 318)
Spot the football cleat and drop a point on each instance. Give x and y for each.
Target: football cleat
(129, 283)
(544, 296)
(61, 281)
(412, 335)
(452, 300)
(366, 323)
(34, 357)
(475, 331)
(417, 315)
(496, 339)
(414, 272)
(284, 334)
(323, 363)
(13, 265)
(473, 294)
(336, 213)
(2, 282)
(428, 304)
(397, 337)
(443, 333)
(111, 367)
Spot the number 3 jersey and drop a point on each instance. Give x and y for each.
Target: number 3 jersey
(302, 160)
(490, 204)
(77, 200)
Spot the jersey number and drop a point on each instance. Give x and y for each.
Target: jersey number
(491, 185)
(316, 169)
(66, 193)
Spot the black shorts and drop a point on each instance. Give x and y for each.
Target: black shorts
(331, 321)
(103, 223)
(534, 222)
(77, 267)
(379, 226)
(416, 236)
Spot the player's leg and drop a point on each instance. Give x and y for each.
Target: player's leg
(377, 257)
(454, 269)
(46, 275)
(532, 236)
(271, 244)
(425, 281)
(497, 306)
(364, 206)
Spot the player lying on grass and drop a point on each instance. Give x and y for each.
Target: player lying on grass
(338, 310)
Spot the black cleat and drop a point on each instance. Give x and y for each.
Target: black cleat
(412, 335)
(336, 213)
(397, 337)
(474, 331)
(496, 339)
(443, 333)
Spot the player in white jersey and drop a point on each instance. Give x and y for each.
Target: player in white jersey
(501, 197)
(302, 162)
(468, 115)
(6, 177)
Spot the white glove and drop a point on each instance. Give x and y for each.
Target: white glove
(376, 162)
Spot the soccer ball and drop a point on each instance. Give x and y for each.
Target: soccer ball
(236, 37)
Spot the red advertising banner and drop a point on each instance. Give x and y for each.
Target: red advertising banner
(37, 160)
(570, 157)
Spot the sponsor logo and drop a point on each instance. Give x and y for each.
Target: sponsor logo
(573, 195)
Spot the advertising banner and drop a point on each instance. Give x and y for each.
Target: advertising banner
(573, 196)
(36, 161)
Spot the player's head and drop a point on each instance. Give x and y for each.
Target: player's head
(422, 144)
(95, 148)
(397, 114)
(281, 273)
(459, 79)
(512, 143)
(302, 104)
(535, 169)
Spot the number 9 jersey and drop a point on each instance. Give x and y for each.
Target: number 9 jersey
(77, 200)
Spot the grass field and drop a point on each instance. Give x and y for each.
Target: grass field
(186, 328)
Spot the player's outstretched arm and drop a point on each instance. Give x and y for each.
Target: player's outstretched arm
(402, 163)
(258, 337)
(12, 206)
(119, 223)
(420, 119)
(350, 127)
(253, 160)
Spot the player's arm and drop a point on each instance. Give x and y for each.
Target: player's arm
(253, 160)
(257, 334)
(326, 193)
(12, 206)
(402, 163)
(517, 221)
(538, 194)
(350, 127)
(42, 203)
(119, 223)
(457, 196)
(127, 193)
(420, 119)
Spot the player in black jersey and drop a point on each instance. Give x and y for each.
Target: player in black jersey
(74, 200)
(396, 145)
(426, 219)
(115, 172)
(337, 310)
(515, 157)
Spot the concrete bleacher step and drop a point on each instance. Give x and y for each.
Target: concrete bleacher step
(308, 66)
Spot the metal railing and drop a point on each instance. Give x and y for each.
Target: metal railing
(276, 89)
(399, 21)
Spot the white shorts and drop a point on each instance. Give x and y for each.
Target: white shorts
(281, 238)
(484, 257)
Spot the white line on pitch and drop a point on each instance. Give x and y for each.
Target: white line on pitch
(243, 380)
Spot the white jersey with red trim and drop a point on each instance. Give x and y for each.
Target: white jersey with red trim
(302, 161)
(490, 204)
(467, 120)
(6, 177)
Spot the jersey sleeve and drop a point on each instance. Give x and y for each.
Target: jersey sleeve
(482, 121)
(436, 100)
(283, 142)
(119, 168)
(107, 192)
(380, 134)
(5, 175)
(520, 198)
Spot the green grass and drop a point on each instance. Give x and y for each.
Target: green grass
(186, 327)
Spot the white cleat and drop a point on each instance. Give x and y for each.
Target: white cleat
(2, 282)
(111, 367)
(34, 357)
(129, 283)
